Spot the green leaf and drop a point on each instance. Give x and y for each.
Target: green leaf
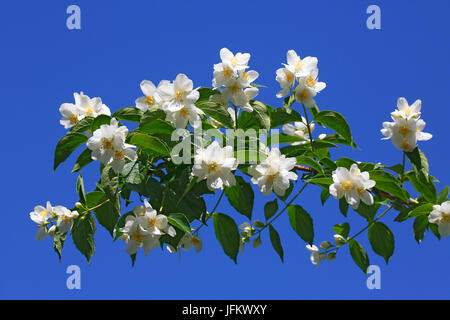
(100, 120)
(180, 221)
(66, 146)
(58, 242)
(359, 255)
(336, 122)
(213, 109)
(260, 112)
(157, 126)
(324, 195)
(310, 162)
(343, 206)
(270, 208)
(282, 116)
(419, 227)
(152, 143)
(83, 235)
(421, 210)
(342, 229)
(388, 183)
(443, 195)
(382, 240)
(419, 162)
(227, 233)
(276, 242)
(426, 188)
(345, 162)
(83, 125)
(301, 222)
(80, 189)
(241, 197)
(132, 114)
(367, 212)
(83, 159)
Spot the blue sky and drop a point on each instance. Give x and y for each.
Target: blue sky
(42, 63)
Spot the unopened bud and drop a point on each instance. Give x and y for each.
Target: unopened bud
(52, 230)
(331, 256)
(246, 240)
(322, 256)
(78, 205)
(339, 240)
(325, 245)
(258, 223)
(256, 242)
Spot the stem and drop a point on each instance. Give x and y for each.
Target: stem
(285, 207)
(401, 177)
(309, 128)
(213, 210)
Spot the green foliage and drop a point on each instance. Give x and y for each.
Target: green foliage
(66, 146)
(301, 222)
(276, 242)
(382, 240)
(241, 197)
(359, 255)
(83, 235)
(270, 208)
(227, 234)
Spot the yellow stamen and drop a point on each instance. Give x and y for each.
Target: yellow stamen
(119, 155)
(289, 76)
(234, 61)
(149, 100)
(213, 166)
(178, 95)
(299, 65)
(403, 130)
(311, 82)
(184, 112)
(89, 110)
(303, 95)
(152, 222)
(137, 237)
(405, 145)
(106, 143)
(234, 88)
(347, 185)
(360, 191)
(445, 218)
(245, 75)
(73, 119)
(227, 72)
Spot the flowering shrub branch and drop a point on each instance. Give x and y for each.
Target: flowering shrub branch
(192, 142)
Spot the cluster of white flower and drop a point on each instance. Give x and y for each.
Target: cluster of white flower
(143, 229)
(109, 147)
(407, 127)
(306, 73)
(353, 184)
(177, 99)
(83, 107)
(59, 215)
(299, 129)
(274, 173)
(232, 75)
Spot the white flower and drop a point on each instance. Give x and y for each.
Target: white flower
(304, 93)
(109, 147)
(151, 222)
(90, 107)
(65, 218)
(299, 129)
(406, 111)
(286, 79)
(235, 91)
(223, 72)
(300, 67)
(316, 256)
(215, 165)
(40, 215)
(188, 113)
(312, 81)
(405, 133)
(274, 173)
(188, 241)
(353, 184)
(71, 115)
(136, 237)
(250, 93)
(441, 216)
(237, 62)
(178, 94)
(151, 95)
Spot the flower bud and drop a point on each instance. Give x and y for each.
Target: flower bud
(247, 240)
(52, 230)
(325, 245)
(339, 240)
(256, 242)
(78, 205)
(331, 256)
(322, 256)
(258, 223)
